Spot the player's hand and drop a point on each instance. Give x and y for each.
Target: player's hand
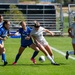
(16, 34)
(4, 39)
(27, 38)
(52, 34)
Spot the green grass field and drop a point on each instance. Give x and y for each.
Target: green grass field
(26, 67)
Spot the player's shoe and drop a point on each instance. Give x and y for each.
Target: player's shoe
(33, 60)
(67, 55)
(55, 64)
(5, 63)
(14, 63)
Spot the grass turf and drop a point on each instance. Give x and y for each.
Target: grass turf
(26, 67)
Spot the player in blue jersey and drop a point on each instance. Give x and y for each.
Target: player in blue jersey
(3, 36)
(1, 24)
(26, 41)
(1, 21)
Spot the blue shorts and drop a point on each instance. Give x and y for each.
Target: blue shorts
(26, 43)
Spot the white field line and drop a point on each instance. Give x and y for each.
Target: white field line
(62, 53)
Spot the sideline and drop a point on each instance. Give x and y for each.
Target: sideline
(62, 53)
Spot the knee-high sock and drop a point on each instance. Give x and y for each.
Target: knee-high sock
(17, 57)
(71, 52)
(50, 58)
(35, 54)
(4, 57)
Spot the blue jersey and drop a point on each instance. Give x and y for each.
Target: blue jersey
(24, 34)
(1, 24)
(3, 33)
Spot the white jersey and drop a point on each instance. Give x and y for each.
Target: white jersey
(38, 34)
(73, 32)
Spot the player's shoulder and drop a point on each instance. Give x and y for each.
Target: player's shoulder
(20, 28)
(1, 29)
(28, 27)
(41, 28)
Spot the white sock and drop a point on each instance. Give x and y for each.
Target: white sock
(50, 58)
(71, 52)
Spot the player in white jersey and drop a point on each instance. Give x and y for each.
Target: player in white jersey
(37, 34)
(71, 32)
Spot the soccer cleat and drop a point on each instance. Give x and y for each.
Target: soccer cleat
(14, 63)
(55, 64)
(67, 55)
(33, 60)
(5, 63)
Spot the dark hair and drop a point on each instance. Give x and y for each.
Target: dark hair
(36, 25)
(5, 22)
(21, 22)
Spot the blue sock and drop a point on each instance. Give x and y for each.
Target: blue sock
(35, 54)
(4, 57)
(17, 57)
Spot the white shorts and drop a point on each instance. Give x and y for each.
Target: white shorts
(43, 42)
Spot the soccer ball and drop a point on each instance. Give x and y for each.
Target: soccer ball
(42, 58)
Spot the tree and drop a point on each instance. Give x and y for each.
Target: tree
(28, 0)
(59, 1)
(14, 14)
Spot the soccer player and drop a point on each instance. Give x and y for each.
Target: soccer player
(3, 36)
(1, 24)
(71, 32)
(37, 34)
(26, 41)
(1, 21)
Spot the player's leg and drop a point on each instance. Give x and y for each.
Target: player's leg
(46, 53)
(2, 55)
(70, 52)
(2, 52)
(21, 49)
(49, 50)
(34, 47)
(73, 52)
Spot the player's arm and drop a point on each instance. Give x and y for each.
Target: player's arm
(1, 38)
(27, 37)
(10, 34)
(35, 40)
(16, 33)
(50, 32)
(70, 32)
